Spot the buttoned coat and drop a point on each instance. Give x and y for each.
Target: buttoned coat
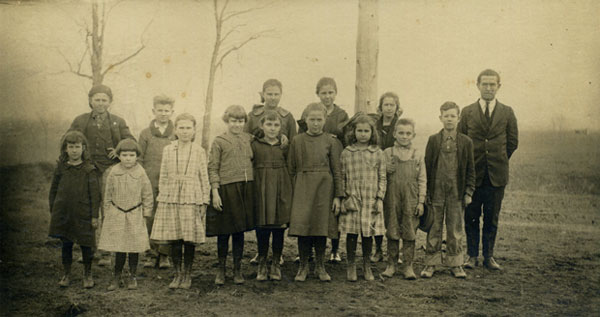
(494, 144)
(465, 170)
(118, 127)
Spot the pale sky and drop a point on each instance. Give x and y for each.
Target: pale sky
(547, 53)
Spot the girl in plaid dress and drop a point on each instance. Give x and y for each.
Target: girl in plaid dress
(363, 172)
(127, 200)
(183, 193)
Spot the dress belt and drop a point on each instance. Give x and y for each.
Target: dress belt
(126, 210)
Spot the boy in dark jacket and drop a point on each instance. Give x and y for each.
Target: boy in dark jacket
(450, 185)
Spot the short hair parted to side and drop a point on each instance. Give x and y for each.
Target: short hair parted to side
(392, 95)
(128, 145)
(488, 72)
(406, 121)
(351, 136)
(163, 100)
(448, 105)
(315, 106)
(236, 112)
(270, 115)
(326, 81)
(185, 116)
(72, 137)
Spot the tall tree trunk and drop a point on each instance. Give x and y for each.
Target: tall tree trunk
(211, 83)
(367, 51)
(97, 45)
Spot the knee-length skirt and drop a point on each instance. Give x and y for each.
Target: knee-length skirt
(238, 211)
(174, 221)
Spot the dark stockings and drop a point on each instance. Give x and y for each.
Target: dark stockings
(187, 249)
(263, 236)
(67, 256)
(120, 258)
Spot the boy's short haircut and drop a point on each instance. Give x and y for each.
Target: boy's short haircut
(448, 105)
(236, 112)
(128, 145)
(488, 72)
(315, 106)
(271, 116)
(406, 121)
(326, 81)
(185, 116)
(163, 100)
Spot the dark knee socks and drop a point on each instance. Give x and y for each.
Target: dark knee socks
(351, 241)
(222, 245)
(277, 243)
(67, 254)
(120, 258)
(133, 262)
(378, 243)
(263, 236)
(188, 255)
(367, 247)
(320, 244)
(335, 244)
(237, 245)
(176, 250)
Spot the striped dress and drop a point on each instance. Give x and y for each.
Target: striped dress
(364, 179)
(127, 199)
(183, 193)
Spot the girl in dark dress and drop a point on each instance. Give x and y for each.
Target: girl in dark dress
(74, 203)
(231, 178)
(273, 193)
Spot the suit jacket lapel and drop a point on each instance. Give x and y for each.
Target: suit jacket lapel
(482, 119)
(496, 115)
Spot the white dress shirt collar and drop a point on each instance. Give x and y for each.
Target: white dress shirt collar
(492, 105)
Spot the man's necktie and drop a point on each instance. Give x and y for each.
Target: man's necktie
(487, 110)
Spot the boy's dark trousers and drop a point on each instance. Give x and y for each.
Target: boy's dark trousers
(490, 198)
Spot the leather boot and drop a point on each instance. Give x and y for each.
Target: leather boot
(88, 280)
(261, 274)
(177, 278)
(408, 249)
(304, 248)
(186, 281)
(220, 278)
(392, 246)
(320, 266)
(238, 278)
(367, 248)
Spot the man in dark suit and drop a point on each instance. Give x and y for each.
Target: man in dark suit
(493, 128)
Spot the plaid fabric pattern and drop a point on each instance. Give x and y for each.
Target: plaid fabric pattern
(175, 185)
(126, 232)
(179, 222)
(364, 180)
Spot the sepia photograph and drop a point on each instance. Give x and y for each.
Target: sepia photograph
(299, 158)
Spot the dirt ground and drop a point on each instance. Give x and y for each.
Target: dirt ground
(548, 244)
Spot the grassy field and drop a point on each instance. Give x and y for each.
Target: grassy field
(548, 244)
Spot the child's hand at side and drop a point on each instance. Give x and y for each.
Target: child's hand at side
(379, 205)
(467, 200)
(419, 210)
(216, 200)
(112, 154)
(95, 223)
(336, 206)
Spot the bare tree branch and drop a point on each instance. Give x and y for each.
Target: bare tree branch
(241, 12)
(76, 72)
(233, 29)
(111, 66)
(223, 10)
(236, 47)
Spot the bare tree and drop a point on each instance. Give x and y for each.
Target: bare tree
(367, 51)
(223, 48)
(95, 44)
